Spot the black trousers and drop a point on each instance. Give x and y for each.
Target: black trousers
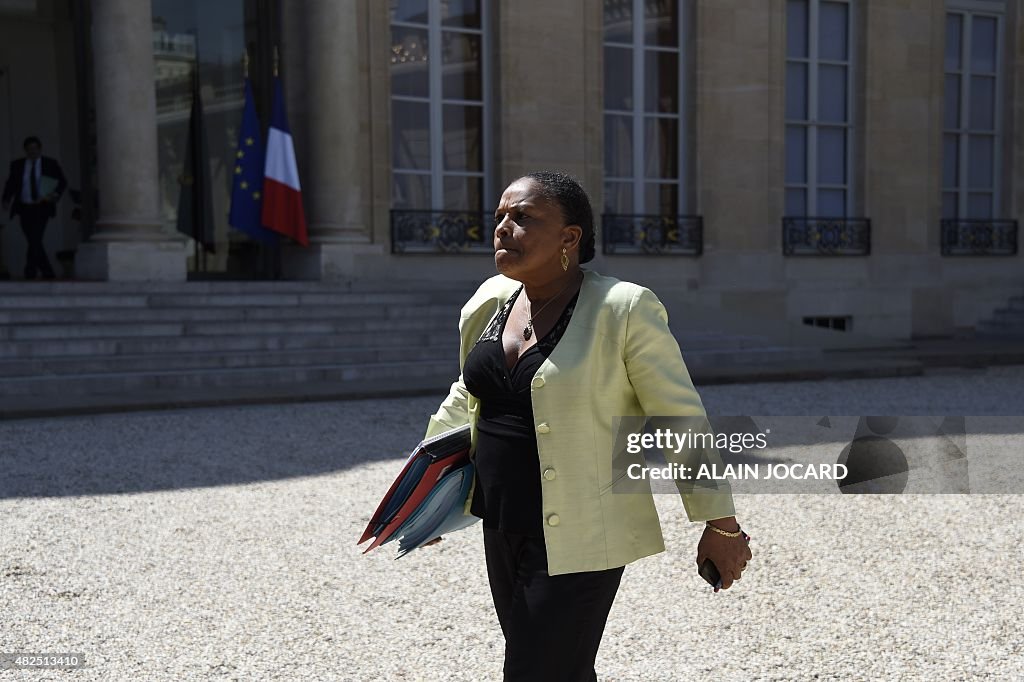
(33, 224)
(552, 624)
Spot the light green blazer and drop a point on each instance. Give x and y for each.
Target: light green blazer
(616, 358)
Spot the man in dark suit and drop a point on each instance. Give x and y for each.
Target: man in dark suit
(34, 185)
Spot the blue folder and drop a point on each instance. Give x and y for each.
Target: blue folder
(440, 513)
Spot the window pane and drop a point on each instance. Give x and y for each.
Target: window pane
(409, 10)
(618, 146)
(950, 161)
(979, 206)
(796, 154)
(661, 81)
(832, 31)
(983, 103)
(949, 203)
(461, 73)
(410, 135)
(953, 47)
(410, 192)
(618, 197)
(661, 25)
(796, 202)
(661, 199)
(796, 92)
(463, 194)
(832, 93)
(463, 137)
(661, 148)
(618, 78)
(952, 95)
(409, 74)
(831, 203)
(980, 159)
(983, 44)
(618, 21)
(465, 13)
(796, 28)
(831, 156)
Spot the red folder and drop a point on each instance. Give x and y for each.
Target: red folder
(444, 452)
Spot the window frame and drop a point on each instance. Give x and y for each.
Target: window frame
(811, 125)
(436, 102)
(639, 116)
(968, 10)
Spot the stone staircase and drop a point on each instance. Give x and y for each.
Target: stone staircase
(1005, 323)
(74, 347)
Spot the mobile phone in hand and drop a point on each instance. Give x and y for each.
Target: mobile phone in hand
(709, 572)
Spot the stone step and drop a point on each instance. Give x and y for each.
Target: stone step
(259, 378)
(29, 316)
(217, 328)
(219, 359)
(192, 300)
(39, 288)
(1009, 315)
(49, 405)
(303, 299)
(1000, 329)
(749, 356)
(67, 366)
(205, 344)
(711, 341)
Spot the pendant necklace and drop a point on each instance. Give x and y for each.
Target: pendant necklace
(528, 329)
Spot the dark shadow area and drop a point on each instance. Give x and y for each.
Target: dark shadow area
(169, 450)
(152, 451)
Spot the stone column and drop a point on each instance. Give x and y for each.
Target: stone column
(129, 243)
(329, 91)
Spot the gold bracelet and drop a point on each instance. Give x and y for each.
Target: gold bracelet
(739, 531)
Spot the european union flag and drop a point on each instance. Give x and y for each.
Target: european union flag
(247, 182)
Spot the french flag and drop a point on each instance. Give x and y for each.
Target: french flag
(282, 194)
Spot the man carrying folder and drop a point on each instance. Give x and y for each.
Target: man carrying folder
(34, 185)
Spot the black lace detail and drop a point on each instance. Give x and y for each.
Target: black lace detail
(493, 330)
(553, 336)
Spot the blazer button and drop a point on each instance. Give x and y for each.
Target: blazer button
(553, 520)
(538, 382)
(549, 474)
(543, 428)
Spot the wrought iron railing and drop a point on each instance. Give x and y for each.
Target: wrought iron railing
(819, 236)
(979, 237)
(663, 235)
(441, 232)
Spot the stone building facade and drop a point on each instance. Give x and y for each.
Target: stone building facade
(849, 163)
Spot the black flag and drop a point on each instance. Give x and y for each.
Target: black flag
(195, 202)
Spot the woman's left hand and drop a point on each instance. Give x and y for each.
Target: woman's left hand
(730, 555)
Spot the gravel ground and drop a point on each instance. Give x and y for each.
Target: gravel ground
(220, 544)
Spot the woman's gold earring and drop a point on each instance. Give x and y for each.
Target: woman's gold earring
(565, 260)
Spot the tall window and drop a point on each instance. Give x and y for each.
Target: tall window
(440, 138)
(645, 106)
(819, 108)
(972, 138)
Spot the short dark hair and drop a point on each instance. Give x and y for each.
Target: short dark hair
(32, 139)
(572, 199)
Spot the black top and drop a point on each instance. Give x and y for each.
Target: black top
(507, 495)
